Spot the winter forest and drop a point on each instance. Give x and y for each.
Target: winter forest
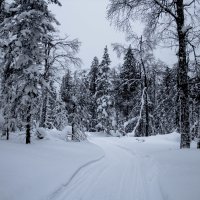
(100, 132)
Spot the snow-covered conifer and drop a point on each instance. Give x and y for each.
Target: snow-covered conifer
(129, 87)
(93, 74)
(29, 29)
(103, 94)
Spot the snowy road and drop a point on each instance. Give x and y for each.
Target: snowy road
(119, 175)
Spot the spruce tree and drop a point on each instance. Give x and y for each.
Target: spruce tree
(73, 94)
(103, 95)
(167, 103)
(48, 106)
(28, 28)
(129, 87)
(195, 108)
(67, 96)
(93, 74)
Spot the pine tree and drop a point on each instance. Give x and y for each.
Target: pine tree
(66, 89)
(80, 115)
(164, 107)
(7, 90)
(93, 74)
(116, 115)
(60, 118)
(85, 99)
(103, 94)
(67, 96)
(48, 108)
(195, 108)
(29, 29)
(2, 10)
(129, 88)
(73, 94)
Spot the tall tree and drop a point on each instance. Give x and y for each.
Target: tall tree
(165, 108)
(49, 115)
(129, 85)
(28, 28)
(195, 108)
(117, 122)
(73, 95)
(93, 75)
(103, 94)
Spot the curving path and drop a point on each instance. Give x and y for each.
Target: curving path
(119, 175)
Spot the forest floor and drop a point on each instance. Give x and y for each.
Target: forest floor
(102, 168)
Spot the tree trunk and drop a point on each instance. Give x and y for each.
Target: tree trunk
(28, 126)
(7, 133)
(73, 131)
(146, 115)
(177, 111)
(146, 103)
(146, 94)
(73, 123)
(198, 144)
(198, 129)
(183, 78)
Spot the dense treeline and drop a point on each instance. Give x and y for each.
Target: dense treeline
(139, 98)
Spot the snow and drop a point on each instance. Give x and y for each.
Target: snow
(32, 172)
(174, 172)
(103, 168)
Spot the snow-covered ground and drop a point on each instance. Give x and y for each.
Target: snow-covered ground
(104, 168)
(32, 172)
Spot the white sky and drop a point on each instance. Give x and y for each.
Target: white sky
(86, 20)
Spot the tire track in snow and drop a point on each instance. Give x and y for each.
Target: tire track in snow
(139, 189)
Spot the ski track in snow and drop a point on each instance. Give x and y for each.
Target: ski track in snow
(118, 175)
(59, 190)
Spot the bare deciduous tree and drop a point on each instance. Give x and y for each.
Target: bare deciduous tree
(59, 54)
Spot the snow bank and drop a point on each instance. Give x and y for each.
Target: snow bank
(33, 172)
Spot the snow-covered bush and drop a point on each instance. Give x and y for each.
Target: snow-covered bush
(40, 133)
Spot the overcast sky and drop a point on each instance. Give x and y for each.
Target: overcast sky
(86, 20)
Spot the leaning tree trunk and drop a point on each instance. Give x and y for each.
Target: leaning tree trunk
(146, 94)
(183, 78)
